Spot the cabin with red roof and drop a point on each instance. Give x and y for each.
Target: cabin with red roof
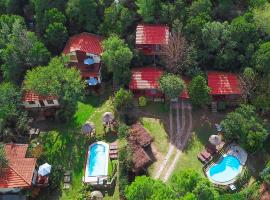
(84, 51)
(21, 172)
(31, 100)
(150, 38)
(224, 86)
(145, 82)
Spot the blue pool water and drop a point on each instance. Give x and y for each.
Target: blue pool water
(98, 160)
(228, 168)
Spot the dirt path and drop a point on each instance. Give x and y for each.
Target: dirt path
(171, 148)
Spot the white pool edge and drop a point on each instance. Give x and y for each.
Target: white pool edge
(94, 179)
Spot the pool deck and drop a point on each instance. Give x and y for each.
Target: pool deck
(233, 150)
(96, 180)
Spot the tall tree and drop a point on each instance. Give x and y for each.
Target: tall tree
(56, 36)
(117, 57)
(218, 45)
(244, 126)
(178, 54)
(10, 100)
(199, 91)
(148, 9)
(147, 188)
(172, 85)
(261, 58)
(82, 15)
(23, 51)
(58, 80)
(117, 18)
(262, 18)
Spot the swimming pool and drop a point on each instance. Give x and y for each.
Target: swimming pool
(97, 162)
(225, 172)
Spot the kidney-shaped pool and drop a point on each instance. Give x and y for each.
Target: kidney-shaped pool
(225, 172)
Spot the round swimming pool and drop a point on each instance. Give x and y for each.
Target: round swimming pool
(225, 171)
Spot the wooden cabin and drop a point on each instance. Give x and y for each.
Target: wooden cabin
(151, 37)
(84, 51)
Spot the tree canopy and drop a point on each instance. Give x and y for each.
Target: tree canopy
(199, 91)
(172, 85)
(57, 80)
(244, 126)
(117, 57)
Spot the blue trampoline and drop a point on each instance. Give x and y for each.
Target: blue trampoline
(92, 81)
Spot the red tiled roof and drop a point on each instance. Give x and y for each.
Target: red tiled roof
(145, 78)
(222, 83)
(31, 96)
(20, 170)
(152, 34)
(86, 42)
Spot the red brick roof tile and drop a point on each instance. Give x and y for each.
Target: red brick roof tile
(20, 170)
(31, 96)
(86, 42)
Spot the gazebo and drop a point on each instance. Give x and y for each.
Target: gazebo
(89, 129)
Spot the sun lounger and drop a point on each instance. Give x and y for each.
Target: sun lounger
(201, 158)
(206, 154)
(211, 148)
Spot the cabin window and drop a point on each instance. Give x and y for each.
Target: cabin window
(31, 102)
(50, 102)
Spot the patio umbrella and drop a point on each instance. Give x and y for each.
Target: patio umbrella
(92, 81)
(215, 139)
(88, 61)
(88, 127)
(96, 195)
(107, 117)
(44, 169)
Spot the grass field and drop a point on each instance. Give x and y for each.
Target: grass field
(64, 146)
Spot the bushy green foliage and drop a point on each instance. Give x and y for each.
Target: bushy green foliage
(65, 83)
(244, 126)
(147, 188)
(3, 159)
(172, 85)
(142, 101)
(23, 51)
(262, 17)
(123, 131)
(199, 91)
(265, 173)
(148, 9)
(10, 100)
(117, 57)
(261, 58)
(82, 15)
(219, 45)
(117, 18)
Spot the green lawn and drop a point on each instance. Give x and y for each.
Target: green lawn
(157, 131)
(65, 147)
(201, 132)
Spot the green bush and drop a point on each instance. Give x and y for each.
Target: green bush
(142, 101)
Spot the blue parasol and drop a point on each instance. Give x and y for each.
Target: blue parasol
(88, 61)
(92, 81)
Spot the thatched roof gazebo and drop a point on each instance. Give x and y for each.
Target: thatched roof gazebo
(107, 118)
(88, 128)
(96, 195)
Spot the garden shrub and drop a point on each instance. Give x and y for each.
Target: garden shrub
(142, 101)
